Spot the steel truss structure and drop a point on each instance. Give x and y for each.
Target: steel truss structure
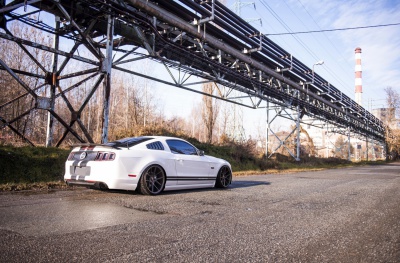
(330, 129)
(200, 39)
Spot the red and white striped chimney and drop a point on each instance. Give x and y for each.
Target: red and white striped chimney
(358, 73)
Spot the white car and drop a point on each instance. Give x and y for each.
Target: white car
(149, 164)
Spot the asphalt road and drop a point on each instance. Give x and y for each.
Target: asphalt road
(338, 215)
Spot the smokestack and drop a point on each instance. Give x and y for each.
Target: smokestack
(358, 74)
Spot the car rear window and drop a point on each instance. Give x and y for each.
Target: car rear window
(128, 142)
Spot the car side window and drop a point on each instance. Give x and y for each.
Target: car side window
(181, 147)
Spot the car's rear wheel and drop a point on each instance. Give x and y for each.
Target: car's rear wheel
(224, 177)
(152, 181)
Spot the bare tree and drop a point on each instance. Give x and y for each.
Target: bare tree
(196, 122)
(223, 118)
(390, 119)
(308, 143)
(341, 149)
(210, 109)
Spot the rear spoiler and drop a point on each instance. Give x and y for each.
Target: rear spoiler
(95, 144)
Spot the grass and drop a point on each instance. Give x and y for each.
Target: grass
(39, 168)
(33, 186)
(26, 165)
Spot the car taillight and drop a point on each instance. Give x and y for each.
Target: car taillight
(71, 156)
(105, 156)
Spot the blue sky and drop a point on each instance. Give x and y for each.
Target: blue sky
(380, 46)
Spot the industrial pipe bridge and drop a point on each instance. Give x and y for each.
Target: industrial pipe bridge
(200, 38)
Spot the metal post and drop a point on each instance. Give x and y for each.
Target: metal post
(366, 137)
(326, 141)
(298, 133)
(106, 69)
(267, 133)
(53, 86)
(373, 151)
(349, 146)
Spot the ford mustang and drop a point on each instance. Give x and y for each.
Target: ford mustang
(148, 164)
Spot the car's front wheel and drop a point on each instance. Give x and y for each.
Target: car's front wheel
(152, 181)
(224, 177)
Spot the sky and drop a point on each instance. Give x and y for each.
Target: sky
(380, 47)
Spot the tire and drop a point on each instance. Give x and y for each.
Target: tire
(152, 181)
(224, 177)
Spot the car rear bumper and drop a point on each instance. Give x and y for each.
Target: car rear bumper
(89, 184)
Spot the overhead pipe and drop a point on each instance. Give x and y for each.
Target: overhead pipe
(272, 47)
(244, 34)
(175, 21)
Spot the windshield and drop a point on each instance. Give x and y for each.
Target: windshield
(128, 142)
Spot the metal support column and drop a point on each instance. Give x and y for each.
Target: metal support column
(349, 145)
(267, 133)
(53, 86)
(366, 139)
(373, 151)
(106, 69)
(298, 134)
(327, 140)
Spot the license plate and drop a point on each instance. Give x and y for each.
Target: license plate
(76, 170)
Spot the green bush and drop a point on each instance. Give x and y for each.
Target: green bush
(31, 164)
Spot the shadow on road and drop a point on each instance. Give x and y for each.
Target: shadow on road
(243, 184)
(236, 184)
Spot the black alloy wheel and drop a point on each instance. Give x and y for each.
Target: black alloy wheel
(224, 177)
(152, 181)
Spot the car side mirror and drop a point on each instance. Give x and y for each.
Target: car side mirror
(201, 153)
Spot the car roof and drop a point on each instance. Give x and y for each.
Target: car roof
(161, 137)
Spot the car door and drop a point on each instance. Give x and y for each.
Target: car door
(191, 168)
